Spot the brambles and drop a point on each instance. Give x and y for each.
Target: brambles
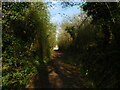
(26, 46)
(95, 43)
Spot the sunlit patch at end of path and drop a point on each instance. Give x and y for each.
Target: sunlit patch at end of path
(56, 48)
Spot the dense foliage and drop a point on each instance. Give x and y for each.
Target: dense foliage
(95, 43)
(91, 40)
(28, 38)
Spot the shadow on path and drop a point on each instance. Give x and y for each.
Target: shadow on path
(41, 80)
(57, 74)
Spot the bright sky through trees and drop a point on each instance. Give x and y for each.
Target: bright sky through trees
(58, 14)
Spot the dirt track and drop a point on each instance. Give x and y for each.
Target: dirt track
(57, 74)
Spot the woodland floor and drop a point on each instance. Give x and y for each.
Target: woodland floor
(57, 74)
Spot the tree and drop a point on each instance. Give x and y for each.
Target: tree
(26, 33)
(104, 14)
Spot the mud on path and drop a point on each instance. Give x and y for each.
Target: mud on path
(57, 74)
